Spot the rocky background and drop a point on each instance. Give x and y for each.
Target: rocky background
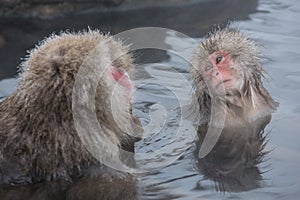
(23, 23)
(51, 8)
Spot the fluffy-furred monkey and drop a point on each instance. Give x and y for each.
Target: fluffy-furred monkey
(38, 138)
(233, 104)
(227, 74)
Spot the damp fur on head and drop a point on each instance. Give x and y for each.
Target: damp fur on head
(244, 52)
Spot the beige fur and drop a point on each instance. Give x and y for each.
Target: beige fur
(37, 134)
(244, 104)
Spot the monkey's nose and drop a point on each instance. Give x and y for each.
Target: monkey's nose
(215, 72)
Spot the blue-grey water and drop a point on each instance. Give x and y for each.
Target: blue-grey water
(168, 149)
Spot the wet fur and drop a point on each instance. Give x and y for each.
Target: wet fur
(233, 161)
(38, 140)
(245, 104)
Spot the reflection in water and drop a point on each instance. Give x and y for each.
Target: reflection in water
(113, 185)
(277, 29)
(233, 162)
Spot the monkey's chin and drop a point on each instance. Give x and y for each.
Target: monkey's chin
(222, 87)
(220, 92)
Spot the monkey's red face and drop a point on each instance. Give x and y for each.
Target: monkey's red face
(121, 77)
(217, 72)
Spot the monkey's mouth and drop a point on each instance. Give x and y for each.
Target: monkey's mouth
(221, 83)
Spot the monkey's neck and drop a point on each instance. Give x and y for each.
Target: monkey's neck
(238, 109)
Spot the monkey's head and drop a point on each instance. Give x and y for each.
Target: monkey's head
(85, 70)
(227, 60)
(226, 67)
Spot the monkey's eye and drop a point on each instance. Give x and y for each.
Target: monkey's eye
(208, 67)
(122, 72)
(219, 59)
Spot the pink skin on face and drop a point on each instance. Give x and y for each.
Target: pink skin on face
(121, 77)
(216, 72)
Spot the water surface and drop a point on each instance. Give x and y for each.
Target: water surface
(168, 147)
(275, 26)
